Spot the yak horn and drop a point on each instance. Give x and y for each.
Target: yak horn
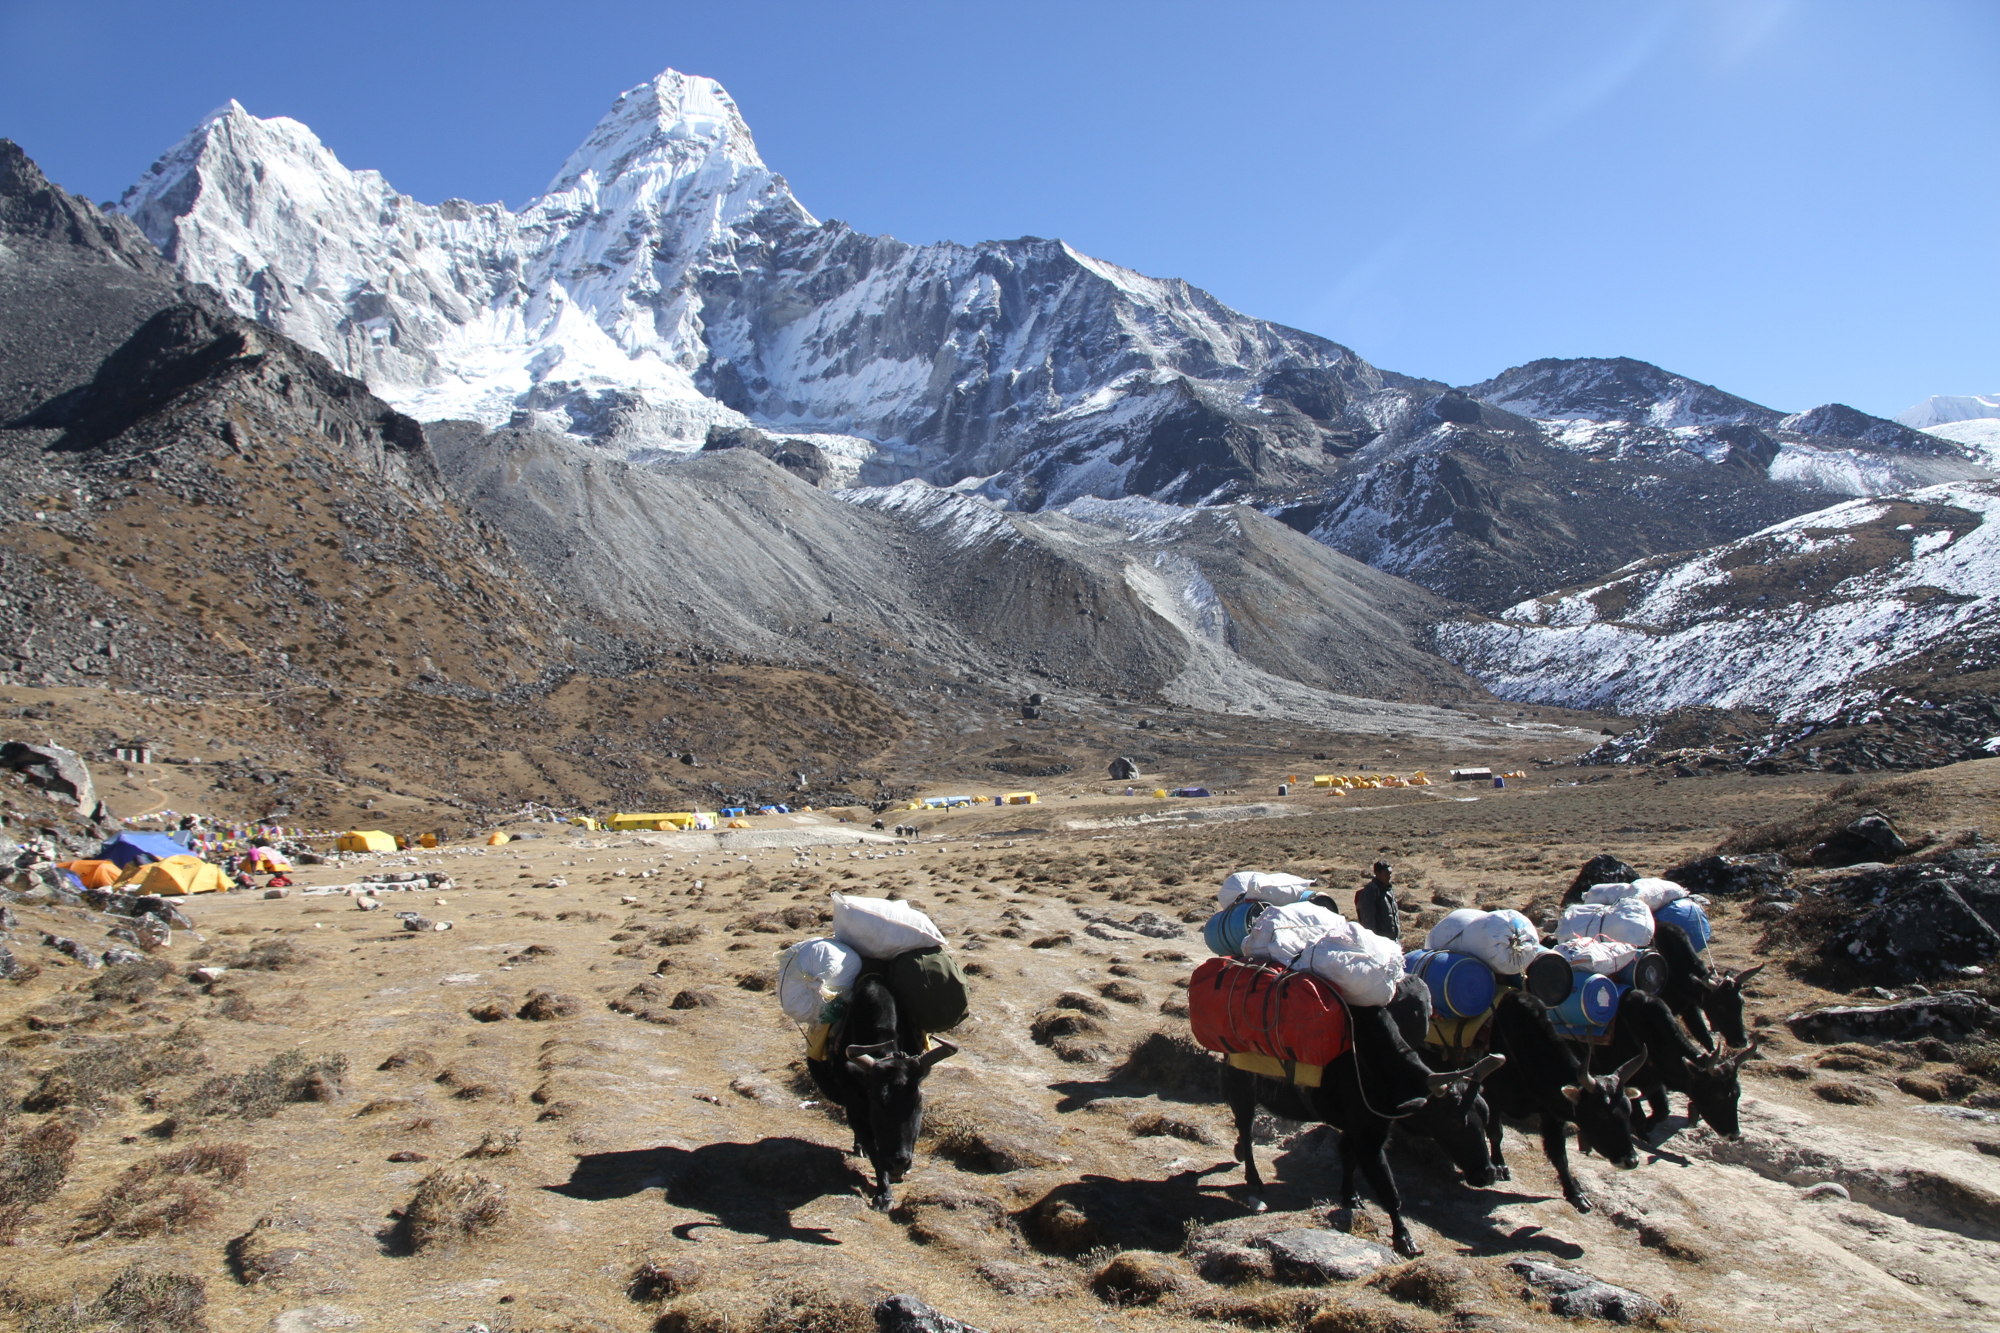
(1486, 1068)
(1630, 1067)
(944, 1050)
(1440, 1083)
(866, 1056)
(1743, 978)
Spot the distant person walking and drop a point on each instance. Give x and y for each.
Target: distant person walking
(1375, 904)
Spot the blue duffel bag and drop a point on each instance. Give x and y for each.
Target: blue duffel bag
(1690, 916)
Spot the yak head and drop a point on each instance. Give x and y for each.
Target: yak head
(892, 1083)
(1601, 1106)
(1722, 1004)
(1456, 1117)
(1714, 1089)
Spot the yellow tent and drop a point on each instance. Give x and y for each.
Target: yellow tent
(682, 819)
(1022, 798)
(365, 840)
(175, 875)
(498, 840)
(428, 840)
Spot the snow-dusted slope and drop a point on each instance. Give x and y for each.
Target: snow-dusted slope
(668, 281)
(1979, 434)
(1940, 409)
(1786, 619)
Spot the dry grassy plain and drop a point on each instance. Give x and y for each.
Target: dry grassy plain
(591, 1061)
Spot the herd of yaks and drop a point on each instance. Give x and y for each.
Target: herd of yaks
(1299, 1009)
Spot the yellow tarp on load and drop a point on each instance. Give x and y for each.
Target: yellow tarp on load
(365, 840)
(173, 876)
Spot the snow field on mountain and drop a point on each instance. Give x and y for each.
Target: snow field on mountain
(1668, 633)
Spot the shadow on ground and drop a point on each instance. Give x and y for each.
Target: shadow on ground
(752, 1188)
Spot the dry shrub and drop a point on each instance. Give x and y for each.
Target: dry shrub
(1138, 1277)
(93, 1077)
(276, 1249)
(685, 934)
(490, 1011)
(1124, 992)
(269, 956)
(1156, 1124)
(709, 1312)
(33, 1165)
(129, 983)
(497, 1144)
(1047, 1027)
(147, 1297)
(452, 1204)
(693, 999)
(1844, 1092)
(955, 1220)
(1271, 1309)
(414, 1058)
(1172, 1062)
(171, 1192)
(662, 1278)
(256, 1094)
(1435, 1284)
(1366, 1312)
(812, 1307)
(1087, 1004)
(543, 1005)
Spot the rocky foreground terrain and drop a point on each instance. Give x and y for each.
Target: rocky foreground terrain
(579, 1108)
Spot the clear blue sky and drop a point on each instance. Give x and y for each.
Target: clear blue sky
(1793, 201)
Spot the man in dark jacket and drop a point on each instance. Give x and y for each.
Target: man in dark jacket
(1375, 904)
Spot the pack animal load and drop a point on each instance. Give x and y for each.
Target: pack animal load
(1258, 886)
(890, 938)
(1268, 1019)
(1505, 940)
(1628, 921)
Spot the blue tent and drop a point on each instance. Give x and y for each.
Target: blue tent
(130, 849)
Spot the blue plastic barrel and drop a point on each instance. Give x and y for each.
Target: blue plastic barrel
(1690, 917)
(1227, 929)
(1647, 972)
(1592, 1004)
(1461, 986)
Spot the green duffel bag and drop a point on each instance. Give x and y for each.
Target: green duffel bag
(930, 988)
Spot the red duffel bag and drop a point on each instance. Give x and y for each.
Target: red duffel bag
(1265, 1010)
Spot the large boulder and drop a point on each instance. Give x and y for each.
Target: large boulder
(1928, 920)
(1573, 1293)
(1733, 876)
(1952, 1016)
(1869, 838)
(55, 770)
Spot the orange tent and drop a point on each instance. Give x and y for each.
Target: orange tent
(94, 874)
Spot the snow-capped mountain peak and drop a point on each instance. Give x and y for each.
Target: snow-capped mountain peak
(1942, 409)
(674, 118)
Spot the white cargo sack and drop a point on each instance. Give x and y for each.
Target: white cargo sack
(1281, 934)
(1504, 941)
(1263, 886)
(814, 973)
(880, 927)
(1363, 966)
(1628, 920)
(1655, 893)
(1597, 954)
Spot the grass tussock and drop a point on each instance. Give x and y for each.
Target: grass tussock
(129, 983)
(452, 1204)
(93, 1078)
(33, 1165)
(1138, 1277)
(1270, 1309)
(259, 1093)
(414, 1058)
(543, 1005)
(169, 1193)
(1905, 802)
(146, 1297)
(1172, 1062)
(1158, 1124)
(276, 955)
(496, 1145)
